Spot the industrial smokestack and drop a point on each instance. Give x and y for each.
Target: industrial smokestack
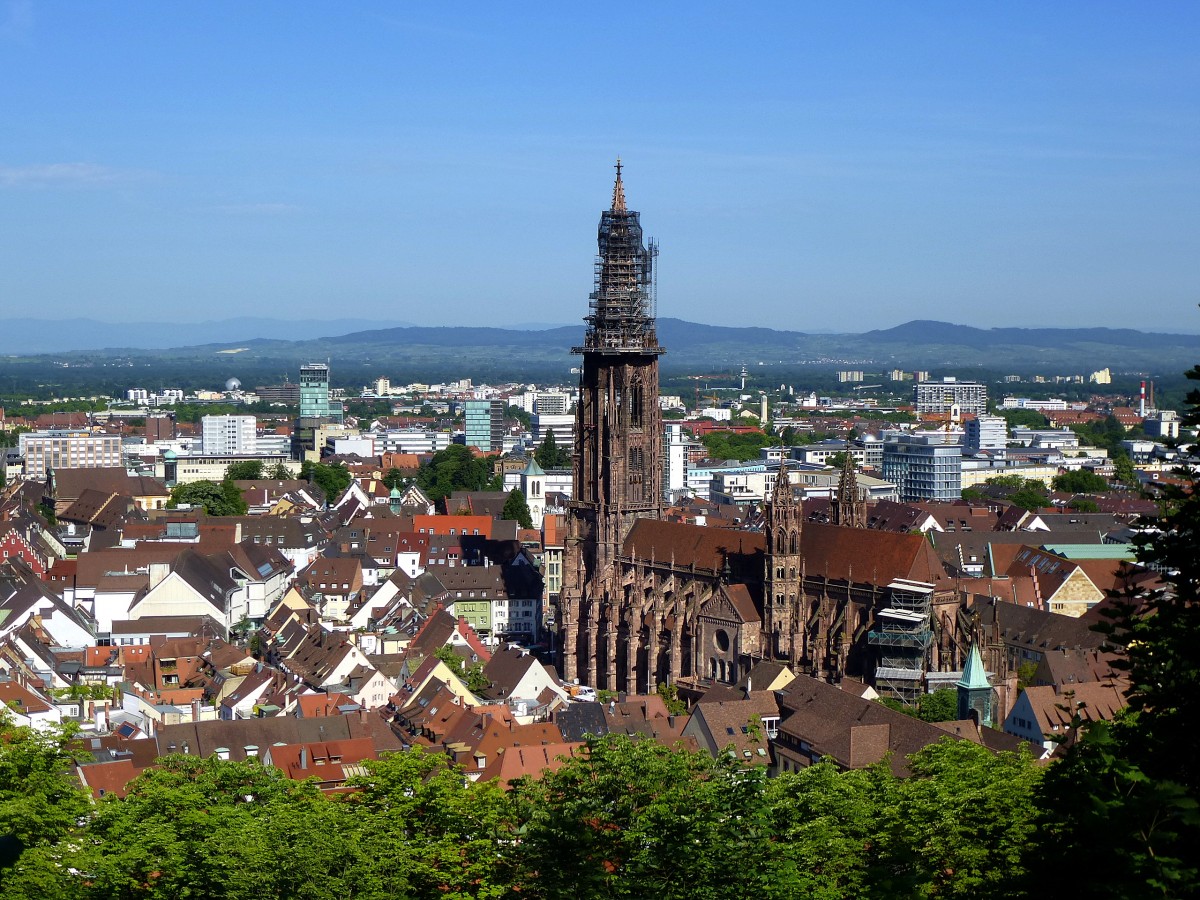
(1142, 404)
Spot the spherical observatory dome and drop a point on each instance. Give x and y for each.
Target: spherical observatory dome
(233, 385)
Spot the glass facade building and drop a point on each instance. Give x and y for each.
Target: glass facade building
(923, 468)
(484, 424)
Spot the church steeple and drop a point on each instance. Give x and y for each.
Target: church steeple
(850, 509)
(618, 198)
(784, 567)
(974, 690)
(618, 445)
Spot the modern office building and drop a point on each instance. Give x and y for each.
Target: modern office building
(563, 427)
(314, 394)
(484, 421)
(62, 449)
(923, 468)
(942, 396)
(316, 410)
(413, 440)
(986, 433)
(227, 435)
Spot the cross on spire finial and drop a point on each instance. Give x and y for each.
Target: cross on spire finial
(618, 200)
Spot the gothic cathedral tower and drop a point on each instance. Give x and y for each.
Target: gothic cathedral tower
(618, 442)
(784, 569)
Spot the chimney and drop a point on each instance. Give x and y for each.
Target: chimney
(237, 532)
(195, 710)
(303, 757)
(748, 687)
(158, 571)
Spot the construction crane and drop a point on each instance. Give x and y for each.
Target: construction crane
(698, 378)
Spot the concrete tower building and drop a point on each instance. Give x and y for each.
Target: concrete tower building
(618, 440)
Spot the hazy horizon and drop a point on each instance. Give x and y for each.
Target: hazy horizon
(816, 168)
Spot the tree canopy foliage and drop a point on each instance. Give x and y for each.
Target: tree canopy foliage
(1027, 493)
(1022, 418)
(551, 456)
(394, 478)
(332, 478)
(454, 469)
(218, 498)
(1124, 804)
(1081, 481)
(736, 445)
(516, 509)
(627, 818)
(245, 470)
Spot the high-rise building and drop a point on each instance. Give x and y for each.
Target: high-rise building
(227, 435)
(484, 424)
(61, 449)
(316, 409)
(618, 439)
(923, 468)
(314, 394)
(986, 433)
(943, 396)
(562, 425)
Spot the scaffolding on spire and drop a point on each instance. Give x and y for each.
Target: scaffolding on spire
(622, 305)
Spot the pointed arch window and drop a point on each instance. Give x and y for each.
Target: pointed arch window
(636, 400)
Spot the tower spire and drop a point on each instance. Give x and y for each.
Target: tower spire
(850, 509)
(618, 200)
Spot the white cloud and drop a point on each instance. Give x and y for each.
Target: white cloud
(43, 175)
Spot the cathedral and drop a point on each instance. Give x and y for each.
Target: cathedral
(646, 602)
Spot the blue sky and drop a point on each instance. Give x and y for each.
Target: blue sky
(804, 166)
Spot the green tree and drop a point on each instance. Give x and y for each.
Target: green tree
(1027, 493)
(40, 802)
(1032, 496)
(631, 810)
(549, 455)
(218, 499)
(938, 706)
(394, 478)
(245, 470)
(517, 414)
(280, 472)
(454, 469)
(471, 675)
(973, 495)
(964, 823)
(331, 478)
(1080, 481)
(1125, 473)
(670, 697)
(516, 509)
(1084, 505)
(735, 445)
(1124, 803)
(441, 834)
(1022, 418)
(837, 460)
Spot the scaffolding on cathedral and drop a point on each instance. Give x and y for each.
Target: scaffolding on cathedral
(622, 305)
(901, 639)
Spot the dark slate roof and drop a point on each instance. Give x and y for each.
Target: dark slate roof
(1035, 629)
(578, 720)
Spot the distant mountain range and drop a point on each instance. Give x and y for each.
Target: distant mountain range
(522, 352)
(25, 336)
